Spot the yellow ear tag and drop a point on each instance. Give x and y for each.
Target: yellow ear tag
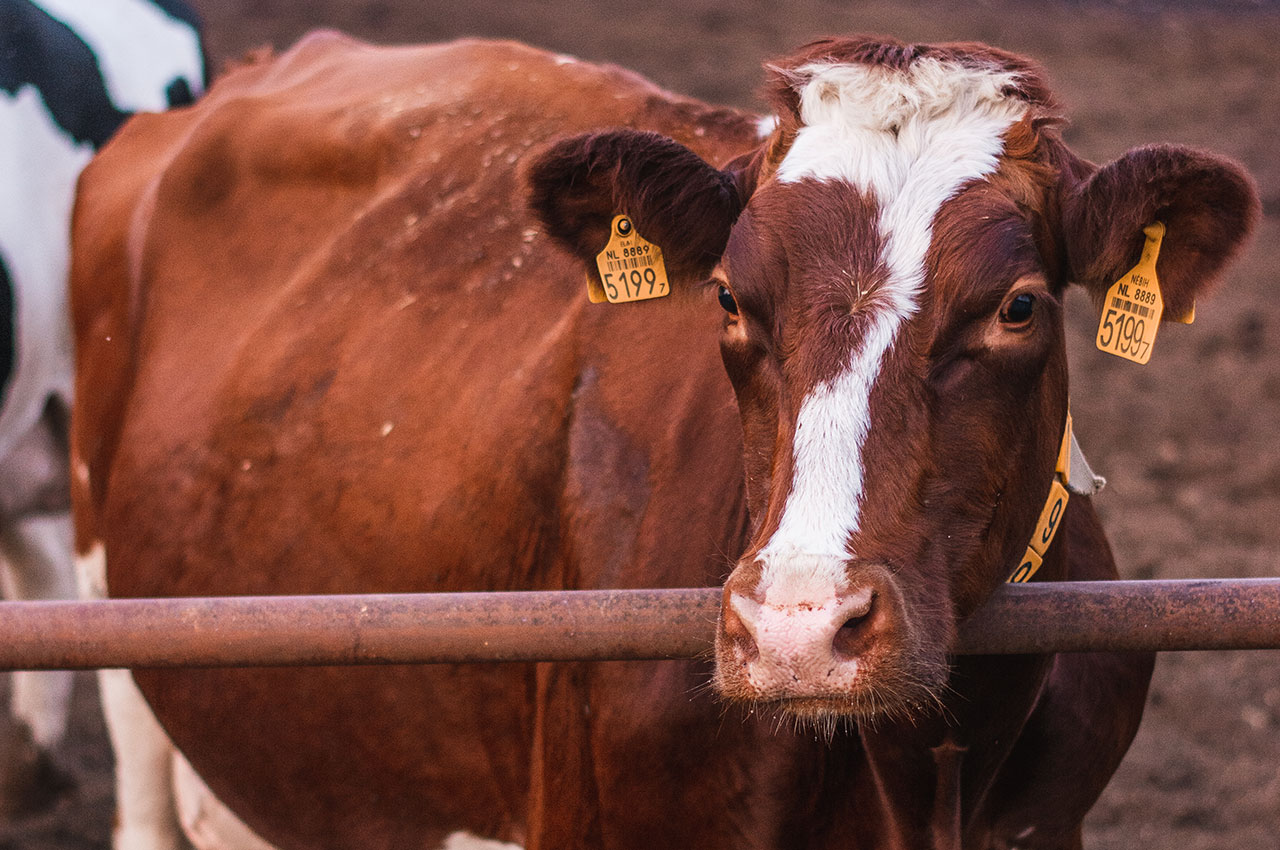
(630, 266)
(1133, 306)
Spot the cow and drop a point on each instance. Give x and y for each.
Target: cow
(70, 73)
(335, 335)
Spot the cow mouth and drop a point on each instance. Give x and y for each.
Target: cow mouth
(826, 716)
(817, 708)
(908, 699)
(889, 689)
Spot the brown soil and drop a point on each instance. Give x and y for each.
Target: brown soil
(1188, 442)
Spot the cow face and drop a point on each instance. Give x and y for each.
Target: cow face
(891, 262)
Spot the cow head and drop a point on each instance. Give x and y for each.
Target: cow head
(892, 261)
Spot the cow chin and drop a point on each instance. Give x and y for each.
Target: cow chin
(860, 655)
(882, 692)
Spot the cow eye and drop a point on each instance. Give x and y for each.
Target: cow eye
(1020, 310)
(726, 300)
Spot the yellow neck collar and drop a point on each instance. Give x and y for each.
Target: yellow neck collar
(1071, 475)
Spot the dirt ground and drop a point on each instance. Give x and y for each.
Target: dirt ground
(1188, 443)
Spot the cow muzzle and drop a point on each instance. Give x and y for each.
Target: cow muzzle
(817, 647)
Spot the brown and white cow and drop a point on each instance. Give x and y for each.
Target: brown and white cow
(324, 348)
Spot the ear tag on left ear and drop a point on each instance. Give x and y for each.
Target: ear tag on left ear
(631, 267)
(1133, 306)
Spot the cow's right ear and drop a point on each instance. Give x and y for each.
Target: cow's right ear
(1207, 203)
(676, 199)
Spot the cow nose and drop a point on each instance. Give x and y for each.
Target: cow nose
(805, 647)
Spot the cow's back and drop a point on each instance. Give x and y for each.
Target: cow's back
(323, 350)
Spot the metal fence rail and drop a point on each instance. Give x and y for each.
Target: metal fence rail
(590, 625)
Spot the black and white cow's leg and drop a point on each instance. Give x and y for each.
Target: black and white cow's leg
(37, 555)
(37, 565)
(35, 547)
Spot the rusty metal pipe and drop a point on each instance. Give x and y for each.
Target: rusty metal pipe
(590, 625)
(1148, 616)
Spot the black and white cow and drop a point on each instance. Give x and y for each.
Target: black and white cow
(71, 71)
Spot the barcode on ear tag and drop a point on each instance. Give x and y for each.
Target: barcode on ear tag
(1132, 309)
(631, 267)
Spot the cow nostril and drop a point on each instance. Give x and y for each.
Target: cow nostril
(852, 638)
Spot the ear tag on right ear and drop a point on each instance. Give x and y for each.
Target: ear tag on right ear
(1133, 306)
(631, 267)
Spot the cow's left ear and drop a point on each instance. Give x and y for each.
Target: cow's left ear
(675, 198)
(1207, 203)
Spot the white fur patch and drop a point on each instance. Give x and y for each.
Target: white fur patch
(37, 181)
(91, 572)
(139, 48)
(145, 815)
(910, 139)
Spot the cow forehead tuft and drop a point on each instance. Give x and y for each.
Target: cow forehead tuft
(885, 98)
(919, 131)
(874, 125)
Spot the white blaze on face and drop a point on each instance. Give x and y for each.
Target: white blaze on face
(909, 139)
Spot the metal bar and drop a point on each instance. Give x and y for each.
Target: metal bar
(360, 629)
(590, 625)
(1146, 616)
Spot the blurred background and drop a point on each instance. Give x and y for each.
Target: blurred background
(1188, 443)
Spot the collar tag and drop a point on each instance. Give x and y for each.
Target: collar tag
(1027, 567)
(1050, 518)
(1133, 306)
(631, 267)
(1082, 480)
